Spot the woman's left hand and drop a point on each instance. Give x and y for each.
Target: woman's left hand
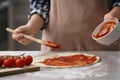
(108, 16)
(114, 13)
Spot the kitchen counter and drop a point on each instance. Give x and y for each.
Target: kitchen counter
(108, 68)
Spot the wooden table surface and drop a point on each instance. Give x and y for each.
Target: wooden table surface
(107, 69)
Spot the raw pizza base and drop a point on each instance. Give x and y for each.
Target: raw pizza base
(42, 57)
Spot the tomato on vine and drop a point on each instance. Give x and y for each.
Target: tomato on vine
(8, 62)
(20, 62)
(28, 60)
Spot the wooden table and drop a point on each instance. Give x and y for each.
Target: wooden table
(107, 69)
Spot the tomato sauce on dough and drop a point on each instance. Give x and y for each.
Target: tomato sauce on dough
(73, 60)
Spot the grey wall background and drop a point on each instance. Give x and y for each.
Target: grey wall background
(3, 22)
(13, 14)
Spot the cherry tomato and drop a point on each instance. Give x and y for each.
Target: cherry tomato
(20, 62)
(3, 57)
(1, 62)
(16, 57)
(9, 62)
(28, 60)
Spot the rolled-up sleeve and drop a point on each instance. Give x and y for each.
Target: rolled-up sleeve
(116, 3)
(40, 7)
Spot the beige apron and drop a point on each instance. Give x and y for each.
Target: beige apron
(72, 22)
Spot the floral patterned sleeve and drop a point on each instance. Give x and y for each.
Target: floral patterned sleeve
(116, 3)
(40, 7)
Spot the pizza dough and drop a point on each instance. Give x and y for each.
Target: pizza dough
(62, 60)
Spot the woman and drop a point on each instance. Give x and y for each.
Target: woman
(71, 23)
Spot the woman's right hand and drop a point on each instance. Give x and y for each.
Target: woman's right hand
(31, 28)
(25, 29)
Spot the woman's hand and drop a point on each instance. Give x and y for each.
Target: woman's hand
(114, 13)
(31, 28)
(108, 16)
(25, 29)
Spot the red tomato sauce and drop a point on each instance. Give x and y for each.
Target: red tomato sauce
(53, 45)
(73, 60)
(106, 28)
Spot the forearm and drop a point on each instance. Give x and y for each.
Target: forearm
(35, 23)
(115, 12)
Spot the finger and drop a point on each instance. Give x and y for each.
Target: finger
(108, 16)
(25, 41)
(20, 30)
(22, 43)
(17, 36)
